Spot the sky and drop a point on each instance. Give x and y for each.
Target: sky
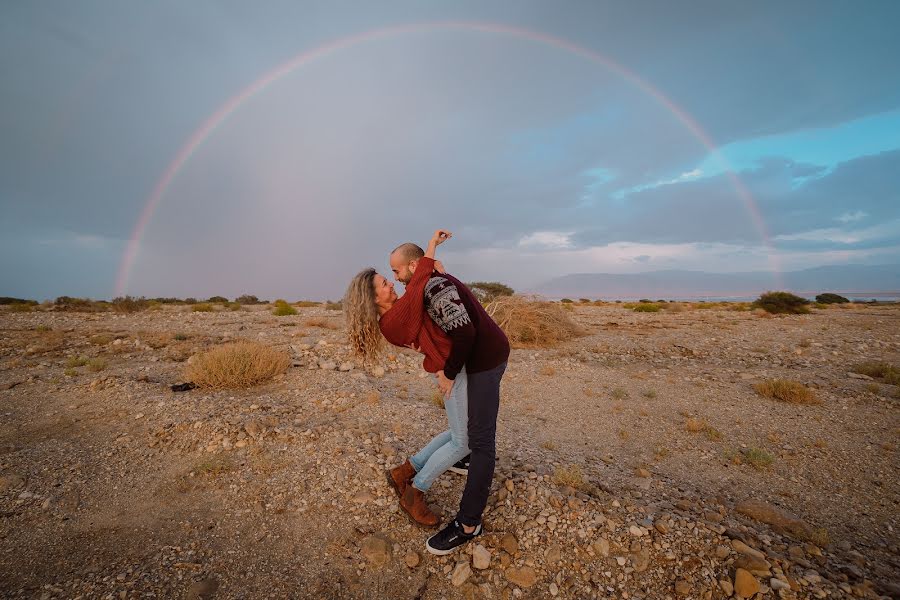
(277, 148)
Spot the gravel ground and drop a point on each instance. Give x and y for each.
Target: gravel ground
(632, 462)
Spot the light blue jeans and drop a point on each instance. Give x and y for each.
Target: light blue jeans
(446, 448)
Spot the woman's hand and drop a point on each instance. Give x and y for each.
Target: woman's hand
(413, 346)
(439, 267)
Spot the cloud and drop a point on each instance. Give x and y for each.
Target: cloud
(547, 239)
(850, 217)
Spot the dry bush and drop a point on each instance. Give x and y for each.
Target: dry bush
(306, 304)
(203, 307)
(762, 313)
(548, 445)
(570, 476)
(323, 323)
(619, 393)
(240, 364)
(283, 309)
(757, 458)
(531, 323)
(786, 390)
(879, 370)
(695, 425)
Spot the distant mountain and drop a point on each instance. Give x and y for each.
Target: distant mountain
(858, 280)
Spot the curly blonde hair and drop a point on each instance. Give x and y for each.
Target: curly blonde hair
(361, 314)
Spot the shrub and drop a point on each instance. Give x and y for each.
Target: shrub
(190, 301)
(567, 301)
(329, 305)
(645, 307)
(570, 476)
(829, 298)
(306, 303)
(786, 391)
(487, 291)
(68, 303)
(218, 300)
(532, 323)
(283, 309)
(204, 307)
(757, 458)
(79, 361)
(127, 304)
(322, 323)
(20, 307)
(232, 306)
(235, 365)
(247, 299)
(879, 370)
(7, 300)
(96, 364)
(782, 303)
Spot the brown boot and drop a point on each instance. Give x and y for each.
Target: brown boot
(399, 477)
(413, 502)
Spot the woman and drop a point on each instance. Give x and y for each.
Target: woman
(373, 311)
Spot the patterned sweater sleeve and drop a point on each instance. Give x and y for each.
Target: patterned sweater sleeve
(446, 308)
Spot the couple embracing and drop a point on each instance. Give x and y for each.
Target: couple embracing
(467, 353)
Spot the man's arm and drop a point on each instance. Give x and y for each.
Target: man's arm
(445, 307)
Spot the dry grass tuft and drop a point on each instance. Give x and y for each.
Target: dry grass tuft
(695, 425)
(880, 370)
(786, 390)
(203, 307)
(570, 476)
(548, 445)
(530, 323)
(241, 364)
(322, 323)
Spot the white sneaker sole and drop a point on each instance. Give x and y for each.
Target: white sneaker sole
(437, 552)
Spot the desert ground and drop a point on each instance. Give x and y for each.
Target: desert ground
(636, 461)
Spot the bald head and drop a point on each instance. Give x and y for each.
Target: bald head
(408, 252)
(404, 259)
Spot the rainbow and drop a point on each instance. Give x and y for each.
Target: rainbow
(216, 119)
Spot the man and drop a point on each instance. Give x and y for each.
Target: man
(479, 345)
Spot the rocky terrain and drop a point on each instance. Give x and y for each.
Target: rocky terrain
(634, 462)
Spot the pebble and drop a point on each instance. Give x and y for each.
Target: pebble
(510, 544)
(523, 577)
(481, 557)
(682, 587)
(376, 549)
(461, 573)
(745, 584)
(412, 559)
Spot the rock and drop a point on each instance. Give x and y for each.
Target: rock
(412, 559)
(363, 497)
(376, 549)
(726, 586)
(755, 565)
(510, 544)
(327, 365)
(461, 573)
(635, 531)
(553, 554)
(743, 548)
(378, 371)
(11, 482)
(523, 577)
(481, 557)
(202, 589)
(722, 552)
(642, 472)
(859, 376)
(745, 584)
(640, 560)
(682, 587)
(346, 366)
(554, 589)
(253, 428)
(777, 584)
(781, 521)
(601, 546)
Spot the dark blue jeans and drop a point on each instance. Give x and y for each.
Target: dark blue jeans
(484, 403)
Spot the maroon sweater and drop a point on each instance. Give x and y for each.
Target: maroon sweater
(477, 341)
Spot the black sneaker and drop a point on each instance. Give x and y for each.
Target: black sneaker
(462, 465)
(449, 538)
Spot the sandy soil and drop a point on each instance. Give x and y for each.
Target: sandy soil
(113, 486)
